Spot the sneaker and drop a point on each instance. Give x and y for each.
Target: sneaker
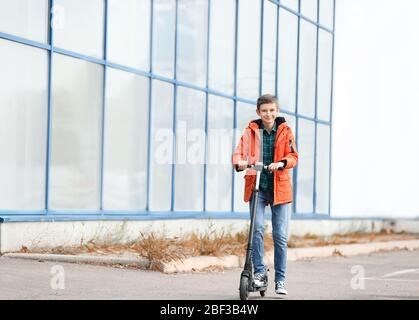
(280, 288)
(260, 280)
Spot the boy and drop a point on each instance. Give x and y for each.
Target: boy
(277, 151)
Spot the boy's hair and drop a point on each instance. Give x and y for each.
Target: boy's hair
(266, 99)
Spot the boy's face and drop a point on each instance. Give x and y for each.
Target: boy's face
(268, 113)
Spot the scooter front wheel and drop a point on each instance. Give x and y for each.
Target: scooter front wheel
(262, 293)
(244, 288)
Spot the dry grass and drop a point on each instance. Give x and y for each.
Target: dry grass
(158, 249)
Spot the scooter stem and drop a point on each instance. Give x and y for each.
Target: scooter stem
(248, 263)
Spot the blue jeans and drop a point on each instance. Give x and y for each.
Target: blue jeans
(280, 220)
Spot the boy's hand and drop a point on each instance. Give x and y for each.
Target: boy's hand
(242, 165)
(276, 166)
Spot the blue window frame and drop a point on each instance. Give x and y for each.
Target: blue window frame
(170, 45)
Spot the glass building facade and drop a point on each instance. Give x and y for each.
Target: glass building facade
(133, 107)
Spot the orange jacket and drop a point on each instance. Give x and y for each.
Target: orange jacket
(248, 150)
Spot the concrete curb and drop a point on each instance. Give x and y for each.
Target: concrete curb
(294, 254)
(201, 263)
(108, 260)
(349, 249)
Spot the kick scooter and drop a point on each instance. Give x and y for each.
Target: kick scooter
(246, 277)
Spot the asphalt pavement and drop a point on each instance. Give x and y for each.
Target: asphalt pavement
(389, 275)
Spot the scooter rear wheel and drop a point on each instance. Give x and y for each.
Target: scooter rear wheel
(262, 293)
(244, 288)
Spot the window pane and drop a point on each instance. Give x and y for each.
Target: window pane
(287, 64)
(245, 114)
(292, 4)
(79, 26)
(130, 18)
(269, 47)
(305, 175)
(324, 85)
(291, 121)
(192, 41)
(76, 134)
(309, 9)
(322, 169)
(190, 150)
(23, 126)
(25, 18)
(220, 126)
(126, 141)
(161, 146)
(326, 13)
(307, 72)
(248, 63)
(164, 37)
(222, 39)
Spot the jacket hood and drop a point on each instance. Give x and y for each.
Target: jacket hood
(257, 124)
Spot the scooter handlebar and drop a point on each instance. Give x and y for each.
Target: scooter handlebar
(257, 167)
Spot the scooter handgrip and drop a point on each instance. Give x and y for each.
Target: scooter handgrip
(249, 166)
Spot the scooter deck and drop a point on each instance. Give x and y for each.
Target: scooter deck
(258, 289)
